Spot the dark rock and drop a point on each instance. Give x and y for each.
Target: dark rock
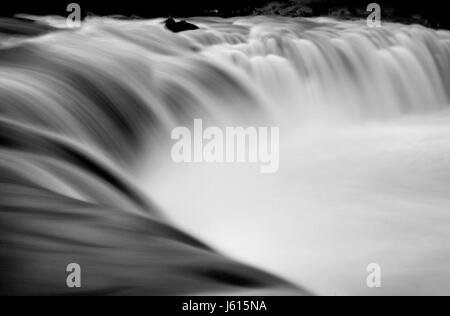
(291, 9)
(180, 26)
(340, 12)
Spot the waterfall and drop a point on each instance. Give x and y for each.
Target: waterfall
(85, 121)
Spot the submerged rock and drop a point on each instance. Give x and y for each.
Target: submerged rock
(180, 26)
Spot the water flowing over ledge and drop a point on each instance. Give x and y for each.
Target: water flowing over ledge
(85, 121)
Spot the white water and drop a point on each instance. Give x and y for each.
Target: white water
(365, 140)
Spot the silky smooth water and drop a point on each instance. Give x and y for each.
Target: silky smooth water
(364, 164)
(364, 136)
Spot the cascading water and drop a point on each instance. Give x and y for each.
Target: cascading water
(365, 137)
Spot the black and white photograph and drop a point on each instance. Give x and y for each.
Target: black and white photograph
(225, 153)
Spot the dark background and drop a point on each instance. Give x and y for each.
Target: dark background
(434, 11)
